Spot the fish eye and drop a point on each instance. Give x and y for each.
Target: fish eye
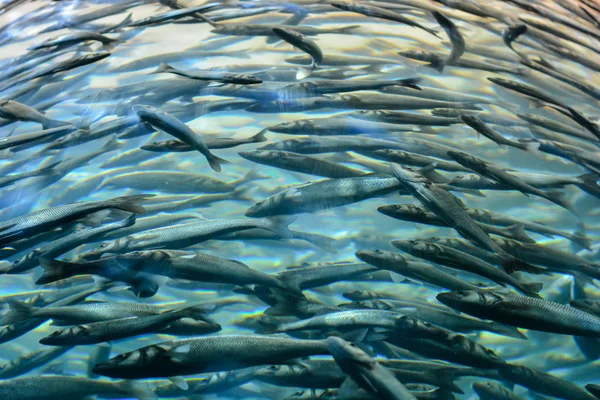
(273, 367)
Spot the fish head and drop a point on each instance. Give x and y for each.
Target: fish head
(64, 336)
(91, 57)
(489, 389)
(464, 159)
(412, 246)
(401, 210)
(469, 119)
(141, 363)
(345, 352)
(460, 297)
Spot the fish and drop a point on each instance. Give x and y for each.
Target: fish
(267, 30)
(445, 206)
(221, 77)
(457, 40)
(302, 42)
(409, 212)
(365, 372)
(207, 354)
(168, 123)
(65, 244)
(211, 143)
(15, 111)
(324, 194)
(115, 329)
(55, 386)
(417, 271)
(379, 12)
(456, 259)
(489, 133)
(524, 312)
(493, 390)
(72, 39)
(512, 33)
(30, 361)
(500, 174)
(42, 220)
(301, 163)
(175, 15)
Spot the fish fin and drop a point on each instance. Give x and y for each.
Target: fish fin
(589, 184)
(163, 67)
(560, 198)
(53, 123)
(355, 335)
(303, 73)
(269, 328)
(279, 225)
(589, 347)
(410, 83)
(55, 270)
(99, 355)
(345, 29)
(532, 288)
(282, 308)
(112, 144)
(215, 162)
(179, 382)
(241, 194)
(349, 389)
(137, 389)
(446, 377)
(178, 353)
(438, 65)
(129, 203)
(260, 136)
(507, 330)
(18, 311)
(518, 232)
(512, 264)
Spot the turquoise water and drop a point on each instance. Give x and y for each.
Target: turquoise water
(93, 97)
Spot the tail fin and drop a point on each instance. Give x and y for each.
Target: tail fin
(215, 162)
(241, 194)
(517, 232)
(438, 65)
(99, 355)
(560, 198)
(129, 203)
(345, 29)
(45, 170)
(511, 264)
(284, 307)
(163, 67)
(18, 311)
(268, 327)
(112, 144)
(197, 312)
(136, 389)
(323, 242)
(589, 347)
(531, 289)
(279, 225)
(259, 137)
(445, 379)
(581, 240)
(410, 82)
(507, 330)
(589, 184)
(53, 123)
(55, 270)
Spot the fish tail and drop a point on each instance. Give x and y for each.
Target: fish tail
(112, 144)
(163, 67)
(130, 203)
(18, 311)
(260, 136)
(215, 162)
(589, 183)
(517, 232)
(511, 264)
(446, 377)
(410, 82)
(507, 330)
(345, 29)
(55, 270)
(53, 123)
(194, 312)
(279, 225)
(129, 221)
(267, 327)
(137, 389)
(560, 198)
(433, 32)
(589, 347)
(438, 65)
(531, 289)
(253, 175)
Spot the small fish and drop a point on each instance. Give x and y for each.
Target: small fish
(72, 39)
(457, 40)
(39, 221)
(524, 312)
(13, 110)
(210, 142)
(379, 12)
(208, 354)
(213, 76)
(30, 361)
(173, 126)
(448, 208)
(365, 372)
(302, 42)
(493, 390)
(512, 33)
(489, 133)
